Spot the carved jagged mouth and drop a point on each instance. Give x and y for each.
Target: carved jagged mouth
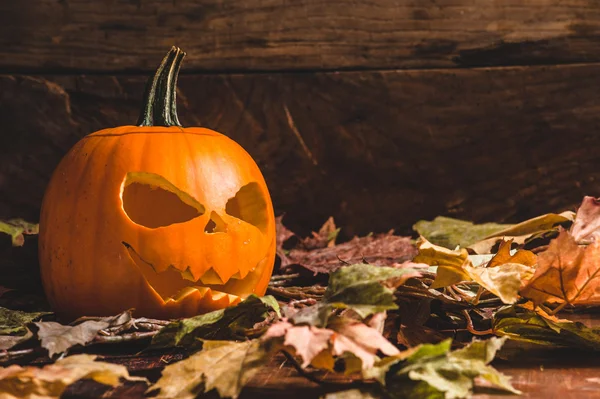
(173, 284)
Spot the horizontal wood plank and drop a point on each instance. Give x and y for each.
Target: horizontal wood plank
(251, 35)
(377, 150)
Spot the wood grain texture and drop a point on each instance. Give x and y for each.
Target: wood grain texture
(114, 35)
(377, 150)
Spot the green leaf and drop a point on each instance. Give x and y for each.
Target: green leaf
(358, 287)
(449, 373)
(15, 228)
(225, 323)
(14, 321)
(450, 233)
(525, 325)
(221, 365)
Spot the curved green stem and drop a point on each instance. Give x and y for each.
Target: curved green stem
(160, 100)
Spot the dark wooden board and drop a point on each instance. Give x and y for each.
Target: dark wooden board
(377, 150)
(250, 35)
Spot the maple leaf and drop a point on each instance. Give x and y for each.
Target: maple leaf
(225, 323)
(566, 273)
(16, 228)
(324, 238)
(49, 382)
(319, 346)
(586, 226)
(221, 365)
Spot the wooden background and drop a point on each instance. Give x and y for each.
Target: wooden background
(378, 112)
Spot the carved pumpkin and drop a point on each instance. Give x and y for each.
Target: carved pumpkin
(168, 220)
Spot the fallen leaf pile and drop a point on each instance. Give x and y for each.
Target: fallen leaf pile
(397, 317)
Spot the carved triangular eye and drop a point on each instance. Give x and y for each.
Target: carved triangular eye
(152, 201)
(249, 205)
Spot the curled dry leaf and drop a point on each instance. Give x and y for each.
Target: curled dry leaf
(51, 381)
(450, 263)
(566, 273)
(523, 232)
(221, 365)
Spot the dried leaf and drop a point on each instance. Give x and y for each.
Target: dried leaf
(503, 281)
(319, 346)
(381, 249)
(524, 231)
(221, 324)
(566, 272)
(587, 220)
(14, 321)
(52, 380)
(221, 365)
(16, 228)
(366, 289)
(450, 233)
(451, 263)
(8, 341)
(324, 238)
(522, 324)
(434, 371)
(57, 338)
(504, 256)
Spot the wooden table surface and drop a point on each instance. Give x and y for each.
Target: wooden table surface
(537, 372)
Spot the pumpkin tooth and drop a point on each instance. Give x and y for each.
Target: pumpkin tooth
(211, 277)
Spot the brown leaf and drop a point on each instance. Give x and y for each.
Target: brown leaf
(57, 338)
(318, 346)
(503, 256)
(224, 366)
(324, 238)
(382, 250)
(52, 380)
(587, 220)
(566, 273)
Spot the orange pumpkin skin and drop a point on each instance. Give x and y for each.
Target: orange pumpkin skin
(170, 221)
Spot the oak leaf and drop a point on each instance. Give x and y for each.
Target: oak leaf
(566, 273)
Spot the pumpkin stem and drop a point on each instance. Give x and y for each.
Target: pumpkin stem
(160, 99)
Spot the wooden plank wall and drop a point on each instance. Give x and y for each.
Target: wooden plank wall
(377, 112)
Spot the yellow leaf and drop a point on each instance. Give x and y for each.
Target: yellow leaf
(503, 256)
(450, 263)
(503, 281)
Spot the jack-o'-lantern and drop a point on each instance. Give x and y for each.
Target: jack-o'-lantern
(168, 220)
